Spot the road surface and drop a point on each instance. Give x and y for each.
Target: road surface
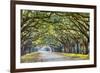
(46, 56)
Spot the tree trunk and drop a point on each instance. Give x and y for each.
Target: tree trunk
(77, 47)
(86, 49)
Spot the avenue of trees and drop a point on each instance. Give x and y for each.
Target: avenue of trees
(66, 32)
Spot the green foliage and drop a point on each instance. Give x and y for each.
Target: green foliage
(47, 27)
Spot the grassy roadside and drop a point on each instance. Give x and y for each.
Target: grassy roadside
(81, 56)
(29, 58)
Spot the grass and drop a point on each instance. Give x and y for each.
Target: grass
(31, 57)
(81, 56)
